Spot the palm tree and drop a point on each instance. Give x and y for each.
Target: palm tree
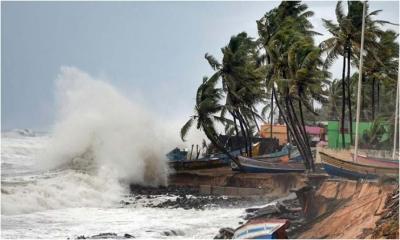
(206, 110)
(381, 66)
(270, 24)
(345, 42)
(242, 77)
(292, 67)
(333, 103)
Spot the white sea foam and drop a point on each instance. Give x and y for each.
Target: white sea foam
(101, 142)
(99, 126)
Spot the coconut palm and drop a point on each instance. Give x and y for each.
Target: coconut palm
(242, 79)
(381, 67)
(271, 23)
(206, 114)
(346, 41)
(284, 32)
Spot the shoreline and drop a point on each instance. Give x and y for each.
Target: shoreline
(315, 205)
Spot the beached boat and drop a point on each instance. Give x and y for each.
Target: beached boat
(202, 163)
(285, 151)
(293, 157)
(262, 229)
(377, 161)
(252, 165)
(336, 166)
(209, 161)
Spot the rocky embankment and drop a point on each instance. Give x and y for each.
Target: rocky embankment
(388, 224)
(186, 197)
(343, 209)
(335, 209)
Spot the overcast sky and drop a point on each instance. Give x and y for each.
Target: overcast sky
(150, 51)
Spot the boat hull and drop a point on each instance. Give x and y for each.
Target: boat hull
(379, 162)
(250, 165)
(198, 164)
(262, 229)
(342, 168)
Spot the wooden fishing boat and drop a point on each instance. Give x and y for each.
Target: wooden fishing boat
(178, 160)
(375, 161)
(282, 153)
(252, 165)
(262, 229)
(201, 163)
(336, 166)
(294, 157)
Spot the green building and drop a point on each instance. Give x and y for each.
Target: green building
(335, 137)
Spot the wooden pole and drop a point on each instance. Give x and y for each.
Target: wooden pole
(359, 83)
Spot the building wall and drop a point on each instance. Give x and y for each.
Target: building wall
(278, 131)
(335, 137)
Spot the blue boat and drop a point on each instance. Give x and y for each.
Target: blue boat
(285, 151)
(177, 154)
(178, 160)
(251, 165)
(262, 229)
(335, 166)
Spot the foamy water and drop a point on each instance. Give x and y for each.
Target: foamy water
(64, 203)
(71, 181)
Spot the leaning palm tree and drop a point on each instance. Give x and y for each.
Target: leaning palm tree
(206, 115)
(271, 23)
(296, 70)
(242, 78)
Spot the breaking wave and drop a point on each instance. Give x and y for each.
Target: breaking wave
(98, 127)
(100, 143)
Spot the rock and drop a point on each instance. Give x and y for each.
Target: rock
(388, 224)
(104, 236)
(225, 233)
(172, 233)
(107, 236)
(266, 211)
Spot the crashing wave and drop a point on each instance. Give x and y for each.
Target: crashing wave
(100, 143)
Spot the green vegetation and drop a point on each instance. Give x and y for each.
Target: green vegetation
(285, 69)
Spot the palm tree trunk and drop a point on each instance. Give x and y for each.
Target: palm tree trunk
(302, 134)
(305, 132)
(295, 131)
(237, 131)
(378, 97)
(290, 128)
(343, 100)
(248, 134)
(349, 94)
(293, 128)
(255, 120)
(373, 99)
(214, 141)
(243, 131)
(272, 112)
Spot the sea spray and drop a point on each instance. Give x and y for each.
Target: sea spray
(98, 127)
(100, 143)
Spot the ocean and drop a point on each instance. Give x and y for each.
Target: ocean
(74, 199)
